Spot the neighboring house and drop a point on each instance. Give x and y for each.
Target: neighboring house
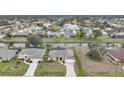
(70, 27)
(47, 24)
(104, 34)
(40, 34)
(21, 35)
(61, 54)
(36, 28)
(4, 30)
(31, 53)
(118, 35)
(69, 33)
(108, 29)
(7, 54)
(69, 30)
(116, 54)
(53, 34)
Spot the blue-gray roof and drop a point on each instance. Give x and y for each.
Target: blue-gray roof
(7, 54)
(33, 52)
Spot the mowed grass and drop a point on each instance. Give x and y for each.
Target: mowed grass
(21, 40)
(6, 68)
(64, 39)
(50, 69)
(78, 66)
(99, 39)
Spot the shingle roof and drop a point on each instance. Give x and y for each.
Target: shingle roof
(67, 53)
(33, 52)
(7, 54)
(117, 53)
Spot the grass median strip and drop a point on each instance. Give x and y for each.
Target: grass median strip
(78, 66)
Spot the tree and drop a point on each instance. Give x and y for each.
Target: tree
(81, 33)
(8, 35)
(33, 40)
(95, 55)
(122, 46)
(97, 33)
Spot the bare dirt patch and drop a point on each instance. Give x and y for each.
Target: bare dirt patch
(93, 68)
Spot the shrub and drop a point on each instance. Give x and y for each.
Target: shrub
(94, 54)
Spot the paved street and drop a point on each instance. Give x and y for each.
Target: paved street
(70, 68)
(32, 68)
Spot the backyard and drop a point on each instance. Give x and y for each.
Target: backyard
(13, 68)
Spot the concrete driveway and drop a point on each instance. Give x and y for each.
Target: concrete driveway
(1, 36)
(32, 68)
(70, 72)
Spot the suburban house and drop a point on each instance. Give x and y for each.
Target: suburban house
(7, 54)
(68, 33)
(4, 29)
(116, 54)
(36, 28)
(104, 33)
(70, 27)
(40, 33)
(21, 35)
(61, 54)
(31, 53)
(53, 34)
(118, 35)
(69, 30)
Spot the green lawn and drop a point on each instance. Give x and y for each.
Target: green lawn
(62, 39)
(50, 69)
(78, 66)
(13, 40)
(99, 39)
(6, 68)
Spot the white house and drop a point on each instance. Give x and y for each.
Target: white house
(70, 27)
(104, 34)
(69, 30)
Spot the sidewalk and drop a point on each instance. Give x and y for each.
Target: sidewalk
(70, 72)
(32, 68)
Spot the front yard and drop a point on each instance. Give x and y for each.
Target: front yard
(13, 68)
(50, 69)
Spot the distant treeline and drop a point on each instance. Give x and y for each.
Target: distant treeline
(69, 16)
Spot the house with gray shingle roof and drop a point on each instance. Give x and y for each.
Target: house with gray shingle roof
(61, 54)
(7, 54)
(32, 53)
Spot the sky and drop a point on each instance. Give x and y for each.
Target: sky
(61, 7)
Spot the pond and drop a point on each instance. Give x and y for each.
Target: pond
(61, 44)
(14, 44)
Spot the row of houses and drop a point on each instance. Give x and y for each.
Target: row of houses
(35, 53)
